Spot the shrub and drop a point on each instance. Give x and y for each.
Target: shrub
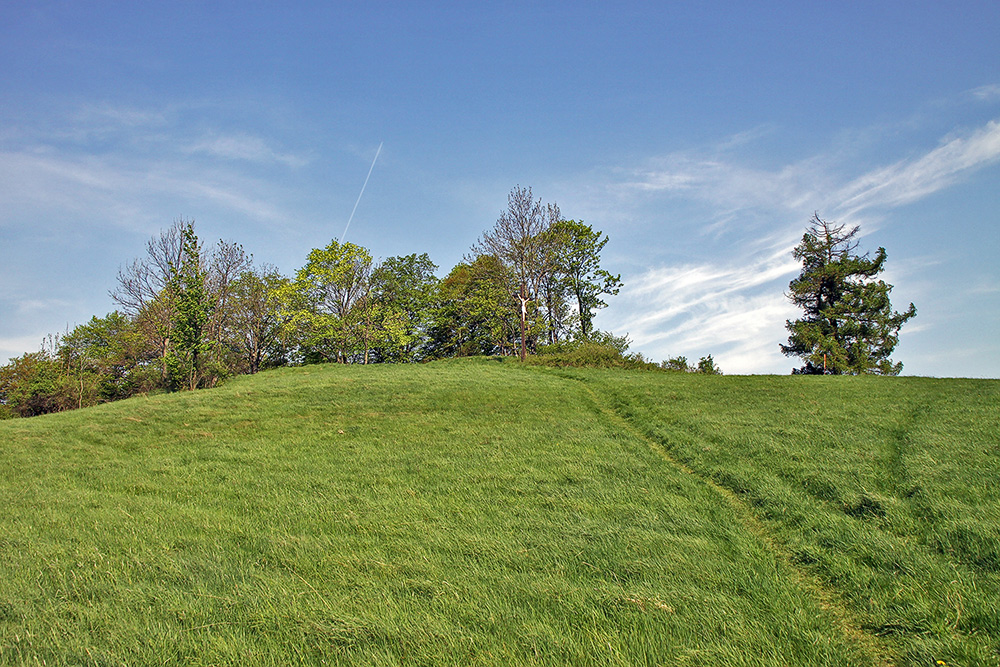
(589, 354)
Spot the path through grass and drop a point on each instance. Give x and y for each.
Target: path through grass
(885, 489)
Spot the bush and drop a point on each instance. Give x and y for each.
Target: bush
(589, 354)
(706, 366)
(35, 384)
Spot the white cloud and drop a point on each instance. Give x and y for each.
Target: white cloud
(120, 187)
(735, 312)
(909, 180)
(244, 147)
(730, 186)
(987, 93)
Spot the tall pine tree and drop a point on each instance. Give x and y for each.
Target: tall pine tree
(848, 325)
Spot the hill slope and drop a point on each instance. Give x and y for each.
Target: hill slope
(472, 512)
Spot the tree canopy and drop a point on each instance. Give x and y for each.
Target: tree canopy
(191, 314)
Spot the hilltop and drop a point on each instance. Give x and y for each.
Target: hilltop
(484, 512)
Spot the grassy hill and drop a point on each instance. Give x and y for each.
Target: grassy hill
(475, 512)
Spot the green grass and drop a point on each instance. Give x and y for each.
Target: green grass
(474, 512)
(886, 490)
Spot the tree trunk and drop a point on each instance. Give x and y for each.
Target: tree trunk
(524, 316)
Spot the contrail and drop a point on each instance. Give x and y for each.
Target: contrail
(361, 193)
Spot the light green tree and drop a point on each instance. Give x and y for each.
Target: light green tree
(254, 327)
(326, 303)
(402, 296)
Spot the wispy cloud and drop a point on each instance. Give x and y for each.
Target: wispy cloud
(729, 185)
(244, 147)
(107, 115)
(909, 180)
(119, 184)
(707, 308)
(988, 92)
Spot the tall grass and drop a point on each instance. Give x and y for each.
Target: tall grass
(886, 489)
(471, 512)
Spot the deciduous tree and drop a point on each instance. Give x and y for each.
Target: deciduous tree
(254, 328)
(518, 241)
(577, 248)
(323, 301)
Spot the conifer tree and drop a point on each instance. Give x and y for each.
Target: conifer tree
(848, 326)
(188, 342)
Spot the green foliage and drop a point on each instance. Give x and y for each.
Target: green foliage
(474, 314)
(849, 326)
(325, 303)
(190, 318)
(35, 384)
(403, 290)
(589, 354)
(577, 250)
(521, 243)
(676, 364)
(706, 366)
(254, 330)
(109, 358)
(601, 349)
(185, 360)
(549, 266)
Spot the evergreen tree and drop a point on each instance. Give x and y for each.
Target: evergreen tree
(848, 326)
(189, 343)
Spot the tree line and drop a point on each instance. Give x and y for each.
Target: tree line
(189, 316)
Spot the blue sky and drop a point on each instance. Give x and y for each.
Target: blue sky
(700, 137)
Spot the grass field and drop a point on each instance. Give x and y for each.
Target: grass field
(476, 512)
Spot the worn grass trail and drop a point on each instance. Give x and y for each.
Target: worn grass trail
(829, 600)
(886, 490)
(456, 513)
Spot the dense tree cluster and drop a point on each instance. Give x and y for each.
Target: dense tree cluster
(190, 315)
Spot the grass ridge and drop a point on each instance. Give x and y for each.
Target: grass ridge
(480, 513)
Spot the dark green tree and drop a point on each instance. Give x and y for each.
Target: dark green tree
(253, 329)
(474, 313)
(109, 359)
(848, 325)
(35, 384)
(189, 341)
(706, 366)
